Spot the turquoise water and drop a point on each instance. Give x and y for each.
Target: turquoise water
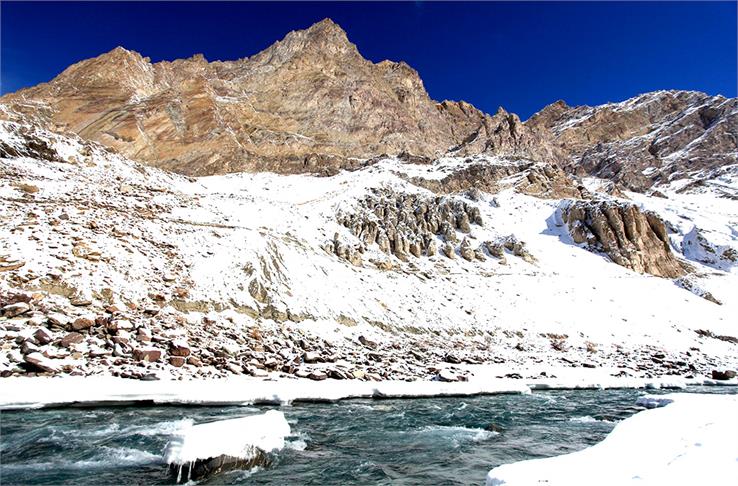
(440, 441)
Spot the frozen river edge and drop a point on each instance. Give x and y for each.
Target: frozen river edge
(40, 392)
(687, 439)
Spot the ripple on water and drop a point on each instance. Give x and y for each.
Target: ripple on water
(109, 457)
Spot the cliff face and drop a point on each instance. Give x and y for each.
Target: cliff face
(650, 139)
(308, 103)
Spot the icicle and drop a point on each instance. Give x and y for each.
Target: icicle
(179, 473)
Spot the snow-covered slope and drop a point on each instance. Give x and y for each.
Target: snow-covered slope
(110, 266)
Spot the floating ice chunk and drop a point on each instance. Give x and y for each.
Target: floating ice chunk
(654, 401)
(197, 451)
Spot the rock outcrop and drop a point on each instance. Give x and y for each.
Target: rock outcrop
(630, 237)
(542, 180)
(650, 139)
(406, 225)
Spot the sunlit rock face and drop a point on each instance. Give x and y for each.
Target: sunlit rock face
(308, 103)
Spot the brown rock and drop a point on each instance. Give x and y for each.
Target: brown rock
(723, 375)
(318, 375)
(179, 347)
(42, 336)
(58, 320)
(71, 338)
(39, 361)
(17, 309)
(177, 361)
(147, 354)
(82, 323)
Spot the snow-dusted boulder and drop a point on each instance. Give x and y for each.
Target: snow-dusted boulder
(199, 451)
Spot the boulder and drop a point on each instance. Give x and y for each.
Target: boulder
(17, 309)
(116, 325)
(57, 319)
(311, 357)
(147, 354)
(40, 362)
(82, 323)
(723, 374)
(179, 347)
(367, 342)
(318, 375)
(42, 336)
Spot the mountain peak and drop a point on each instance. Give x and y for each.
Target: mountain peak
(326, 24)
(120, 53)
(325, 34)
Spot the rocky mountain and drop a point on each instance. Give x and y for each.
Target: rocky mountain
(651, 139)
(308, 103)
(312, 103)
(192, 218)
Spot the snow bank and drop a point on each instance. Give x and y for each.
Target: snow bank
(690, 440)
(241, 437)
(40, 392)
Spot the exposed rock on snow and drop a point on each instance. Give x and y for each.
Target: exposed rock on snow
(39, 361)
(492, 176)
(199, 451)
(630, 237)
(652, 138)
(406, 224)
(691, 440)
(696, 246)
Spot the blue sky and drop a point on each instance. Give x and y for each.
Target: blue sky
(520, 55)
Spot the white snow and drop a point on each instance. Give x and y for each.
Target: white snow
(40, 392)
(20, 393)
(692, 440)
(219, 233)
(240, 437)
